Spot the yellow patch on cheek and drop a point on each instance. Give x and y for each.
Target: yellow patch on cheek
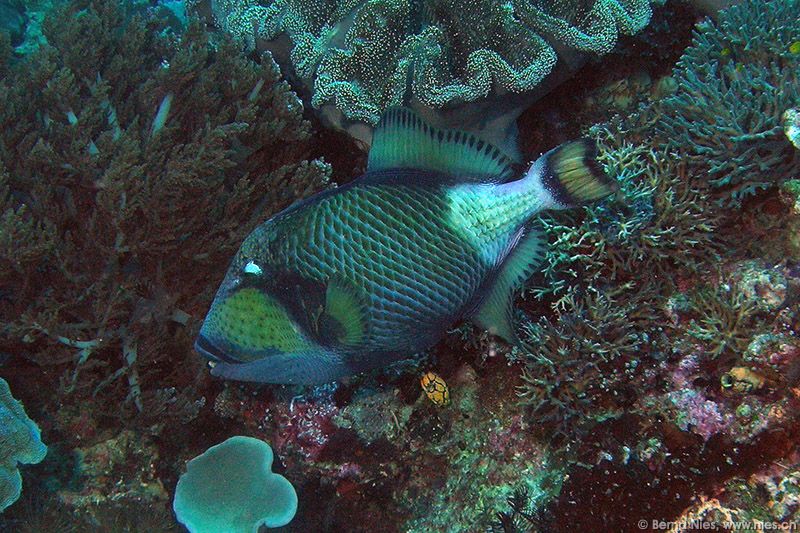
(255, 322)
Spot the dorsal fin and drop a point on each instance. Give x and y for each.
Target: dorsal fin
(403, 140)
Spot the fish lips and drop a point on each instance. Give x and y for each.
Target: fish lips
(211, 351)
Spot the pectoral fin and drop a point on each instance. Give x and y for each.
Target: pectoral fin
(345, 314)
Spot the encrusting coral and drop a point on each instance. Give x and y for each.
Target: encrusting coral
(367, 56)
(736, 81)
(231, 487)
(132, 164)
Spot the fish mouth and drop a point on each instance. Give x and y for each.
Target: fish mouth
(210, 351)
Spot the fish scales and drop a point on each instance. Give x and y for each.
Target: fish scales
(390, 243)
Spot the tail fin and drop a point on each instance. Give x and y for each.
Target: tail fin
(572, 175)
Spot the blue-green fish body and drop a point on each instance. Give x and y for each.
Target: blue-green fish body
(381, 268)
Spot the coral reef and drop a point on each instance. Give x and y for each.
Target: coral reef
(20, 442)
(374, 416)
(131, 167)
(13, 20)
(367, 56)
(606, 279)
(725, 318)
(739, 355)
(713, 366)
(582, 364)
(791, 126)
(106, 480)
(736, 82)
(660, 376)
(387, 458)
(768, 498)
(484, 459)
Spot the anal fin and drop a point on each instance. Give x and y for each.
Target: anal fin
(309, 367)
(494, 313)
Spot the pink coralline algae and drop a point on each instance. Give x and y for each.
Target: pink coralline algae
(697, 413)
(510, 438)
(304, 425)
(690, 409)
(739, 403)
(685, 370)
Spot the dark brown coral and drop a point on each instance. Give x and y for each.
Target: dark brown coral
(132, 164)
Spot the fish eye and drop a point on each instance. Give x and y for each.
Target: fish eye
(252, 269)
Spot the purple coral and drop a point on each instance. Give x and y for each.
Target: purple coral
(698, 414)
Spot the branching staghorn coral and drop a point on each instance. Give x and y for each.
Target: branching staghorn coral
(725, 319)
(365, 56)
(658, 222)
(131, 167)
(580, 363)
(735, 83)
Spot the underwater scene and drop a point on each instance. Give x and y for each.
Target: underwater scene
(399, 266)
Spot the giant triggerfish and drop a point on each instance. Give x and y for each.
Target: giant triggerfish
(379, 269)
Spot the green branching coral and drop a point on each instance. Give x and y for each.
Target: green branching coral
(365, 56)
(131, 167)
(579, 365)
(606, 276)
(657, 223)
(724, 319)
(735, 82)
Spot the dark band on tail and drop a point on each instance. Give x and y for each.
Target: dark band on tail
(572, 174)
